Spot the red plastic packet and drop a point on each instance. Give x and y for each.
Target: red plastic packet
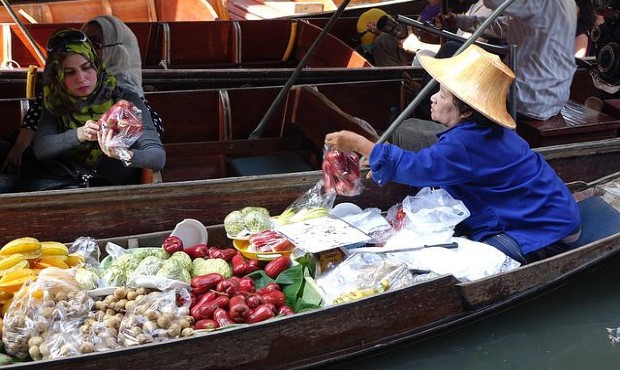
(126, 122)
(341, 172)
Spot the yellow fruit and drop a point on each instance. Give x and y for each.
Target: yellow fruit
(51, 261)
(5, 297)
(13, 280)
(10, 261)
(49, 248)
(29, 247)
(75, 260)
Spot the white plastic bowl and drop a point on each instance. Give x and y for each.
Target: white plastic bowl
(345, 209)
(191, 232)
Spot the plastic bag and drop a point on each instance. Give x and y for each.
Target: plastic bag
(362, 275)
(125, 120)
(88, 248)
(55, 298)
(312, 204)
(341, 172)
(470, 261)
(155, 317)
(434, 211)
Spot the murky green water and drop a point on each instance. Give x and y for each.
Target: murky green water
(563, 330)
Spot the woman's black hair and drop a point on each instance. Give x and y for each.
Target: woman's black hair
(475, 116)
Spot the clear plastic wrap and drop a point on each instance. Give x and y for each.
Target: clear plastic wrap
(54, 303)
(362, 275)
(431, 216)
(88, 248)
(155, 317)
(312, 204)
(341, 172)
(125, 120)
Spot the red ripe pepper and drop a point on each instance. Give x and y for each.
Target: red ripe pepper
(275, 267)
(222, 318)
(197, 251)
(226, 254)
(254, 300)
(271, 307)
(172, 244)
(205, 324)
(253, 265)
(269, 288)
(239, 266)
(285, 311)
(205, 311)
(228, 287)
(246, 284)
(193, 298)
(276, 298)
(238, 309)
(201, 284)
(261, 313)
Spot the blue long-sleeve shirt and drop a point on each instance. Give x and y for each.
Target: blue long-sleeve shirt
(506, 186)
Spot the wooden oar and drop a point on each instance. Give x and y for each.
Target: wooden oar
(282, 94)
(24, 30)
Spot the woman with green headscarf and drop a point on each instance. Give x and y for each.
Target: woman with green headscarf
(77, 91)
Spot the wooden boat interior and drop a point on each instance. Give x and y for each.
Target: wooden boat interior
(279, 43)
(426, 308)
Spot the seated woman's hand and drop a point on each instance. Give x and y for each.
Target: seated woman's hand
(88, 132)
(347, 141)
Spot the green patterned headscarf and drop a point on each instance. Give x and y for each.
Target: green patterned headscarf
(72, 111)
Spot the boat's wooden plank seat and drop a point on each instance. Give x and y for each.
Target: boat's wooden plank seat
(612, 107)
(577, 123)
(193, 44)
(199, 148)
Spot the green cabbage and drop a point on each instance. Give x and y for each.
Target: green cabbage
(87, 279)
(203, 266)
(256, 221)
(141, 253)
(172, 269)
(246, 210)
(234, 223)
(183, 259)
(149, 266)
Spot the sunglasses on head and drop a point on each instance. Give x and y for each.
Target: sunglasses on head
(64, 38)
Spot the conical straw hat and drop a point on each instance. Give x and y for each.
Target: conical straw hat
(478, 78)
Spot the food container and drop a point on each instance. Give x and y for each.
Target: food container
(242, 245)
(191, 232)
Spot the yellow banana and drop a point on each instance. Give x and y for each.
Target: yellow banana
(49, 248)
(29, 247)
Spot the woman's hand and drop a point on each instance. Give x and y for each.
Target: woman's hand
(105, 138)
(347, 141)
(88, 132)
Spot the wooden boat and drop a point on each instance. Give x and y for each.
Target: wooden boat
(205, 148)
(322, 336)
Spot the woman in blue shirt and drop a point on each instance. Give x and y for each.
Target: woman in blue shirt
(517, 202)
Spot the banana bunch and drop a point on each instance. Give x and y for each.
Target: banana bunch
(291, 215)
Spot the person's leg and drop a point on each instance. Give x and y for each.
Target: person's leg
(415, 134)
(508, 245)
(386, 52)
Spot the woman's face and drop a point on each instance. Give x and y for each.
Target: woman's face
(443, 109)
(80, 75)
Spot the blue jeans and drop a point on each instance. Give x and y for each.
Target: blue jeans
(512, 249)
